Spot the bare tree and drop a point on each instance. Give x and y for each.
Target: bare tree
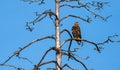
(55, 17)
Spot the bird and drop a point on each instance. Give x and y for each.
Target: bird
(76, 32)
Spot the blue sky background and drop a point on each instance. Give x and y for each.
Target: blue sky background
(13, 35)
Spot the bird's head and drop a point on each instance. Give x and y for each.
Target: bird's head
(76, 23)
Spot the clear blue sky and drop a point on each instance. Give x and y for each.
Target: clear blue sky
(13, 35)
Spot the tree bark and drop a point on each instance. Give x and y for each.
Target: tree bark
(57, 28)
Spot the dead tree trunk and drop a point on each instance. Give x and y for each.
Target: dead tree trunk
(57, 28)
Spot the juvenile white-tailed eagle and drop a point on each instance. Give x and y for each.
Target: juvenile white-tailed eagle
(76, 32)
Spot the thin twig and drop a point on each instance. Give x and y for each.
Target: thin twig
(24, 58)
(66, 65)
(13, 66)
(44, 63)
(67, 1)
(74, 16)
(97, 4)
(32, 1)
(70, 6)
(52, 61)
(71, 53)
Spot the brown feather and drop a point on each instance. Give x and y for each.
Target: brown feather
(76, 32)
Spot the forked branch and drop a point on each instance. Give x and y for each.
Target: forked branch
(39, 63)
(99, 5)
(52, 61)
(95, 44)
(40, 17)
(65, 30)
(21, 49)
(66, 65)
(49, 12)
(109, 39)
(98, 48)
(77, 60)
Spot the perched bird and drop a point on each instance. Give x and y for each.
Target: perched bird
(76, 32)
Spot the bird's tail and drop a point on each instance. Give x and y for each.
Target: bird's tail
(79, 42)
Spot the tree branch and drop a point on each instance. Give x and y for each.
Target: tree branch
(66, 65)
(40, 17)
(44, 13)
(13, 66)
(51, 69)
(109, 40)
(97, 4)
(44, 63)
(32, 1)
(34, 41)
(95, 44)
(71, 56)
(76, 60)
(68, 0)
(24, 58)
(70, 6)
(65, 30)
(93, 12)
(71, 53)
(52, 61)
(39, 63)
(86, 20)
